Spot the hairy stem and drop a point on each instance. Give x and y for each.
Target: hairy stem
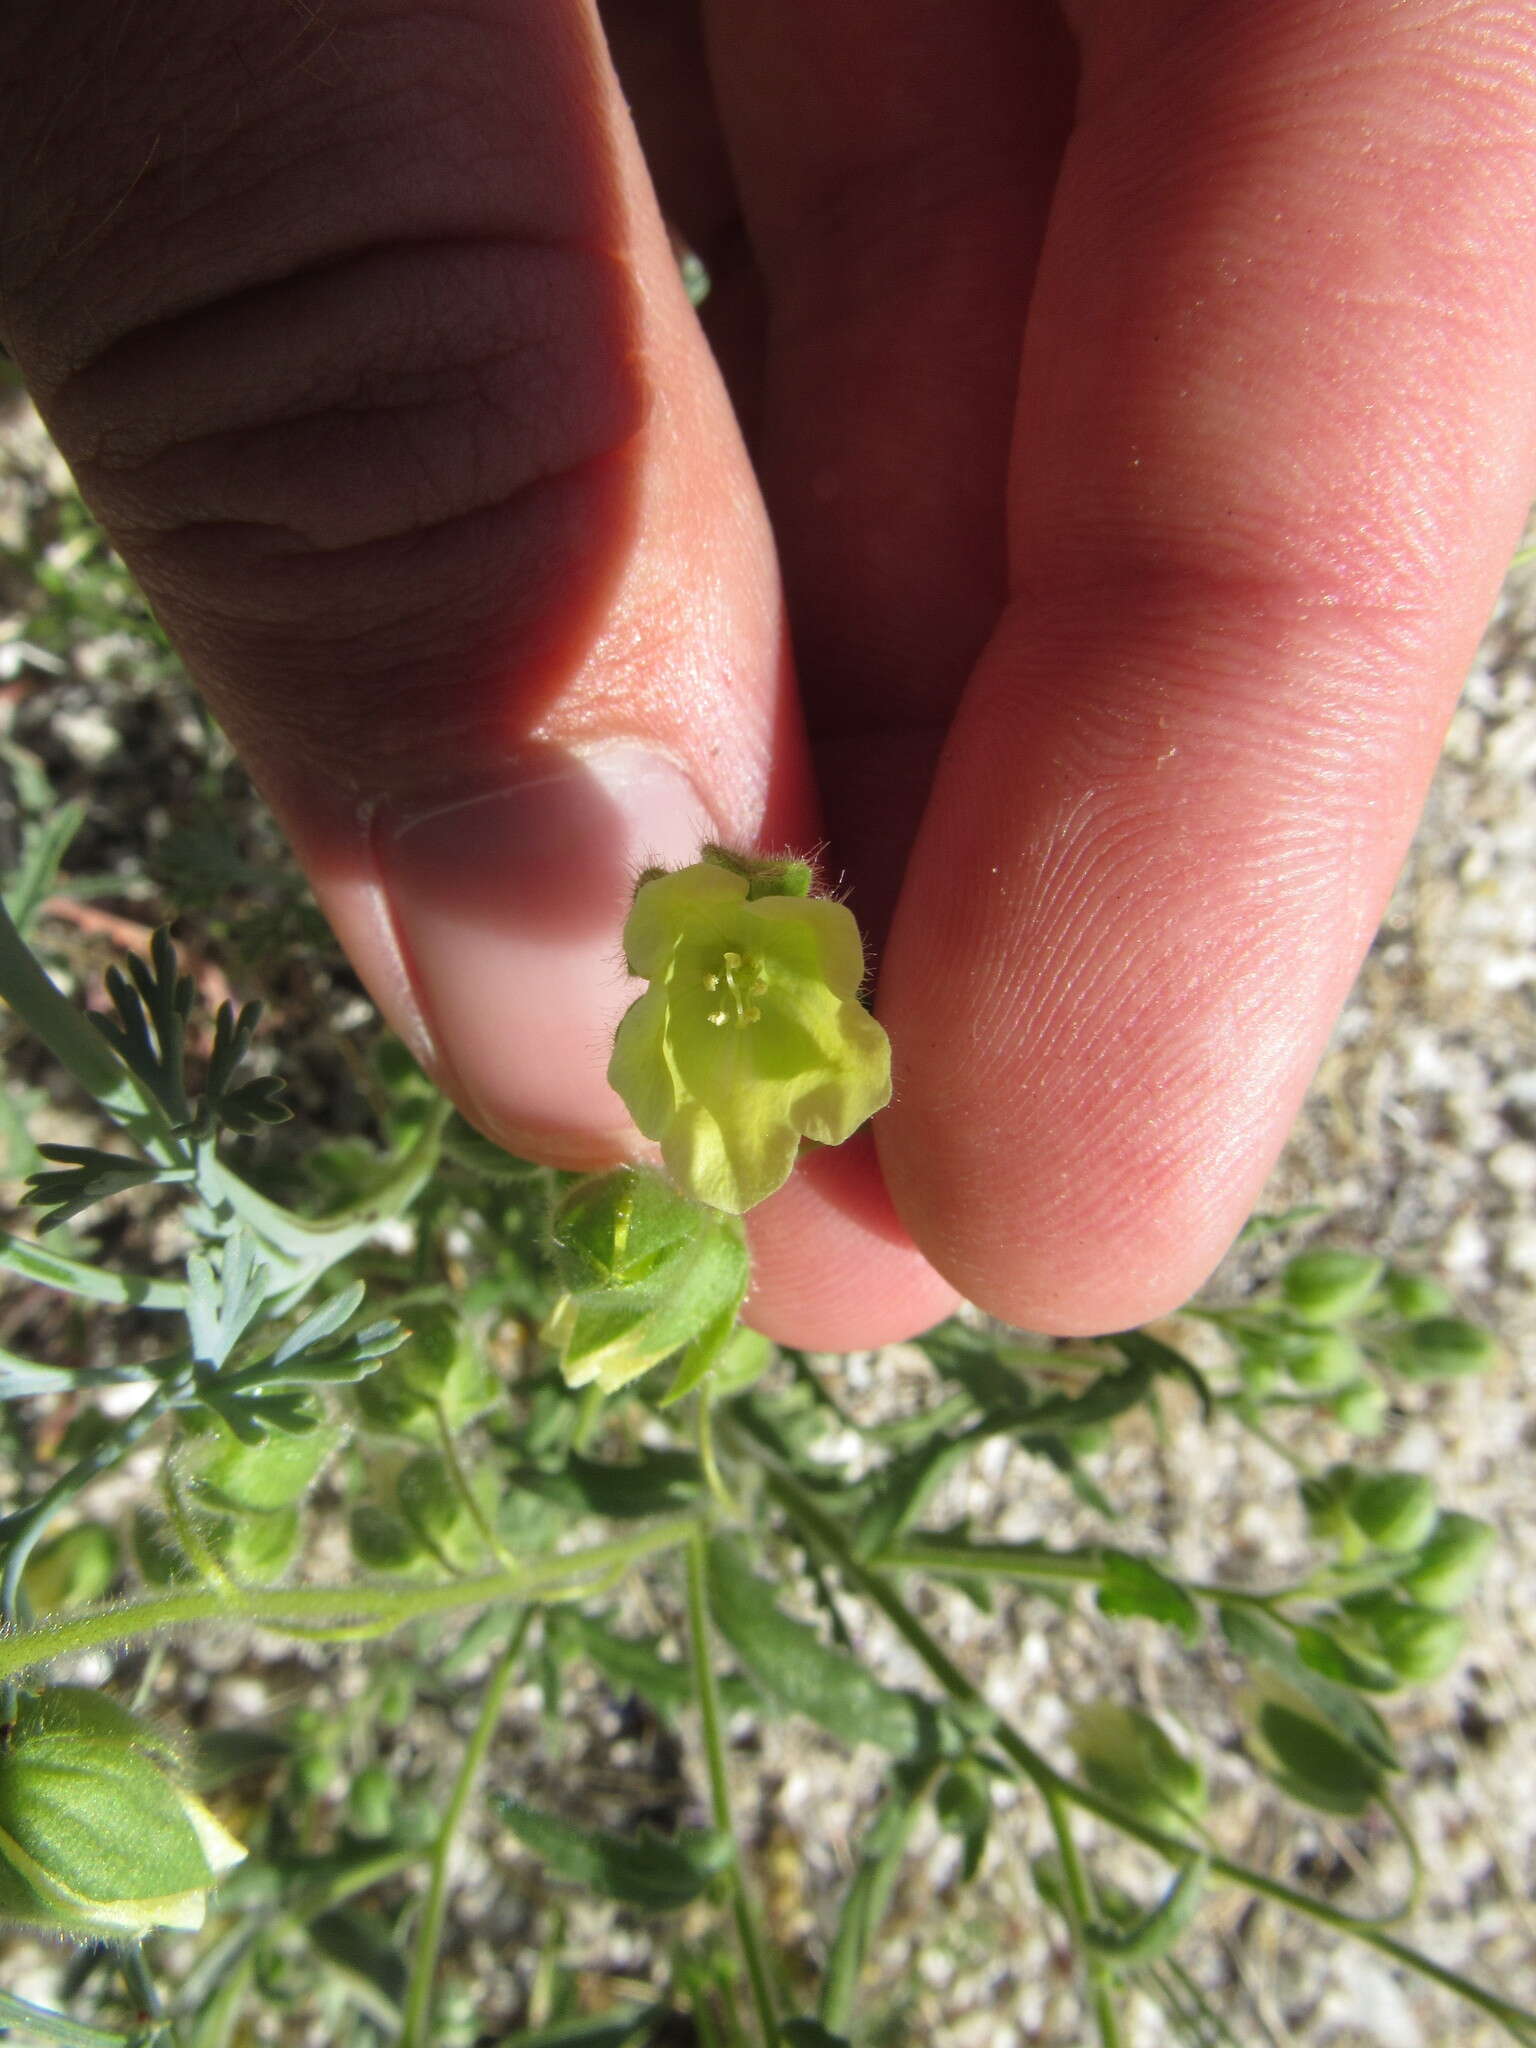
(719, 1788)
(416, 2023)
(299, 1608)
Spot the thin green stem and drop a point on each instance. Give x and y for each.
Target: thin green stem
(463, 1489)
(826, 1535)
(1081, 1911)
(289, 1608)
(704, 1443)
(719, 1787)
(20, 1530)
(416, 2022)
(37, 2023)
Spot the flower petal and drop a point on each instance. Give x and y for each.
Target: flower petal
(639, 1069)
(665, 906)
(840, 950)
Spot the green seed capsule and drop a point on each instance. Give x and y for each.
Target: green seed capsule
(1419, 1642)
(1325, 1286)
(1396, 1510)
(1451, 1561)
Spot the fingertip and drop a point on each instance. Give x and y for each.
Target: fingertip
(833, 1268)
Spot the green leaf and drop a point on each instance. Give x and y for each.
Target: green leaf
(626, 2029)
(632, 1664)
(72, 1568)
(1340, 1652)
(1130, 1758)
(1414, 1297)
(903, 1489)
(44, 843)
(225, 1298)
(1167, 1363)
(963, 1804)
(868, 1895)
(21, 1378)
(366, 1954)
(76, 1276)
(806, 2033)
(82, 1177)
(1264, 1642)
(22, 2021)
(1132, 1585)
(257, 1478)
(654, 1872)
(794, 1667)
(1309, 1759)
(1146, 1939)
(382, 1542)
(1422, 1643)
(656, 1483)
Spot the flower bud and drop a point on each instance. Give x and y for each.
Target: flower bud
(1443, 1348)
(97, 1839)
(1396, 1510)
(1418, 1642)
(1413, 1297)
(1360, 1407)
(1125, 1754)
(1325, 1361)
(1451, 1561)
(647, 1273)
(1325, 1497)
(1326, 1285)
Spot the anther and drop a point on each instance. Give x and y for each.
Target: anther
(717, 1016)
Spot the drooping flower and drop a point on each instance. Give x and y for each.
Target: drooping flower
(97, 1836)
(750, 1037)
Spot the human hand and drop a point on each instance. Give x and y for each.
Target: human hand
(1126, 630)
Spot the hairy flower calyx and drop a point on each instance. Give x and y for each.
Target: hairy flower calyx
(750, 1038)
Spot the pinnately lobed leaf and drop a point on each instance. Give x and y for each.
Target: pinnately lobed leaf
(750, 1037)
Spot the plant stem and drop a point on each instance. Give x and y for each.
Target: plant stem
(825, 1534)
(704, 1443)
(77, 1046)
(21, 1529)
(464, 1490)
(36, 2021)
(1080, 1910)
(301, 1607)
(416, 2023)
(719, 1788)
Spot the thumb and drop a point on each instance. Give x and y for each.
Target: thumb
(367, 346)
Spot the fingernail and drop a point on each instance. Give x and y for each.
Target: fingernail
(509, 910)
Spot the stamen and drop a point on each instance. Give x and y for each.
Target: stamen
(711, 981)
(717, 1016)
